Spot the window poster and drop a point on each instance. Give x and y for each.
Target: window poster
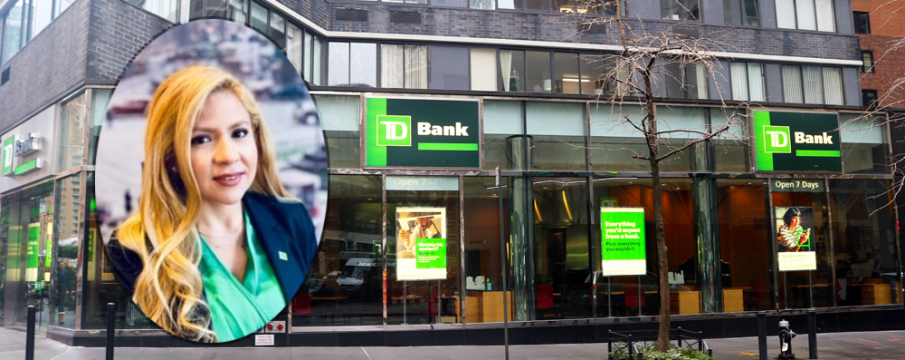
(623, 241)
(32, 249)
(421, 243)
(795, 246)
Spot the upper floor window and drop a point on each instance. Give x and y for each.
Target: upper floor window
(685, 81)
(352, 64)
(869, 98)
(403, 66)
(24, 20)
(806, 15)
(683, 10)
(862, 22)
(482, 4)
(747, 81)
(812, 85)
(742, 12)
(868, 58)
(167, 9)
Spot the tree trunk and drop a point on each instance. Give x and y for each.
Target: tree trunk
(659, 232)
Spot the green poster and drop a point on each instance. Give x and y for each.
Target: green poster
(31, 252)
(793, 142)
(430, 254)
(623, 241)
(423, 133)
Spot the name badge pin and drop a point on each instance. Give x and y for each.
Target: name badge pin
(284, 256)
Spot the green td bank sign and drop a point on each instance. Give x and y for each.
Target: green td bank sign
(423, 133)
(797, 142)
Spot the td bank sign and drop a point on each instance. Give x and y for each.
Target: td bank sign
(422, 133)
(797, 141)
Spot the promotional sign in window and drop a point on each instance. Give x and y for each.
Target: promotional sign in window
(623, 241)
(423, 133)
(32, 247)
(797, 142)
(794, 227)
(421, 243)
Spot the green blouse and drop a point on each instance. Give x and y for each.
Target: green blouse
(240, 308)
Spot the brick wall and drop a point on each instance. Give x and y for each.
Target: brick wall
(559, 28)
(49, 67)
(118, 31)
(887, 23)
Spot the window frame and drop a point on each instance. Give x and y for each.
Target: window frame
(743, 13)
(820, 72)
(861, 18)
(864, 69)
(871, 104)
(816, 18)
(698, 20)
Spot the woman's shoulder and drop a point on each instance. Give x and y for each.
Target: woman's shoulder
(279, 207)
(127, 264)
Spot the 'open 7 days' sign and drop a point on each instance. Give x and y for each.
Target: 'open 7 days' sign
(423, 133)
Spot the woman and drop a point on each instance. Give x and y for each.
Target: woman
(791, 234)
(216, 247)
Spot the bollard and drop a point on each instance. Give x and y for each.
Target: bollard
(762, 334)
(111, 319)
(30, 334)
(630, 352)
(679, 338)
(812, 334)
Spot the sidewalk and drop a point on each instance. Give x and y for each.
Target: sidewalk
(867, 345)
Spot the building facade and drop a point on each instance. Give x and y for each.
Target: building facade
(518, 165)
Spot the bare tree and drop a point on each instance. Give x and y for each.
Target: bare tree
(645, 56)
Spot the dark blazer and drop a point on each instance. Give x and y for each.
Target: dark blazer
(284, 229)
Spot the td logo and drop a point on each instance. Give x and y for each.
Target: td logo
(777, 140)
(394, 130)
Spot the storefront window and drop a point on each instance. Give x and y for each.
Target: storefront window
(562, 260)
(639, 295)
(746, 252)
(344, 285)
(100, 99)
(864, 243)
(483, 257)
(98, 282)
(560, 144)
(430, 213)
(803, 289)
(28, 225)
(340, 116)
(71, 139)
(864, 146)
(503, 139)
(66, 230)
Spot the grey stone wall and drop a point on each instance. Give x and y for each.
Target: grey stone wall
(49, 67)
(118, 31)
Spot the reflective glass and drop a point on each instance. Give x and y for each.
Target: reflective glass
(344, 285)
(340, 117)
(557, 145)
(864, 243)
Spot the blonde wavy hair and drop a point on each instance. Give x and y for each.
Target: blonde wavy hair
(163, 230)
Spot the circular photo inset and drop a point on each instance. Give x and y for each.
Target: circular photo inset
(211, 181)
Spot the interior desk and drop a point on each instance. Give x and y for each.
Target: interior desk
(486, 306)
(685, 302)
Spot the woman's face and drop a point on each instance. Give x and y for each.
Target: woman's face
(224, 153)
(796, 220)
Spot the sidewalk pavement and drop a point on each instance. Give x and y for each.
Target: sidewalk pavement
(865, 345)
